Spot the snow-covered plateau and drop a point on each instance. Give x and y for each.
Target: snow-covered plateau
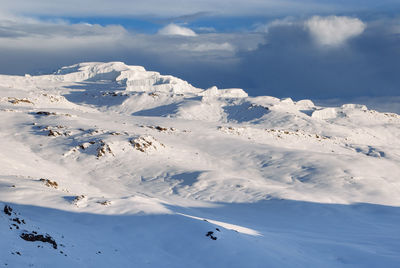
(110, 165)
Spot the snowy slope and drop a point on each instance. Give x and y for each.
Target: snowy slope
(113, 165)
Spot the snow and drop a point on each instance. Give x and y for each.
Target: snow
(325, 113)
(126, 167)
(224, 93)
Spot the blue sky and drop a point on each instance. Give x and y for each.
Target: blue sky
(300, 49)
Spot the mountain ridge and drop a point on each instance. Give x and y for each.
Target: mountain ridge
(105, 146)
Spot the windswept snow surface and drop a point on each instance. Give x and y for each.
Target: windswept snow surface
(109, 165)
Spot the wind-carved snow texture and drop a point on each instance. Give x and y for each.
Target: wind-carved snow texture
(110, 165)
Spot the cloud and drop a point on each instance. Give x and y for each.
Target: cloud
(173, 29)
(291, 64)
(176, 8)
(29, 45)
(203, 47)
(330, 31)
(333, 30)
(184, 18)
(288, 21)
(205, 30)
(284, 62)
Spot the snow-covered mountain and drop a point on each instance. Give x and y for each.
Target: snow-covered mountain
(110, 165)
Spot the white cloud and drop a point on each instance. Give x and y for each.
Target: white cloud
(288, 21)
(25, 27)
(173, 29)
(333, 30)
(204, 47)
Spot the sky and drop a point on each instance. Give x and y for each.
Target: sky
(334, 49)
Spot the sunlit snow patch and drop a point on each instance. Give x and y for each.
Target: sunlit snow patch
(229, 226)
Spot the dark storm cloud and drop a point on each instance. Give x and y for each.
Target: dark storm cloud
(291, 64)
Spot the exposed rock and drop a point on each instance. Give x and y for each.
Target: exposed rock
(211, 235)
(17, 101)
(54, 133)
(103, 149)
(7, 210)
(45, 113)
(146, 143)
(32, 237)
(77, 199)
(50, 183)
(104, 203)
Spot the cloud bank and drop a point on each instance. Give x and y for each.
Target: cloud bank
(160, 8)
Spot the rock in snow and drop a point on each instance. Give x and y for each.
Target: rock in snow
(110, 165)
